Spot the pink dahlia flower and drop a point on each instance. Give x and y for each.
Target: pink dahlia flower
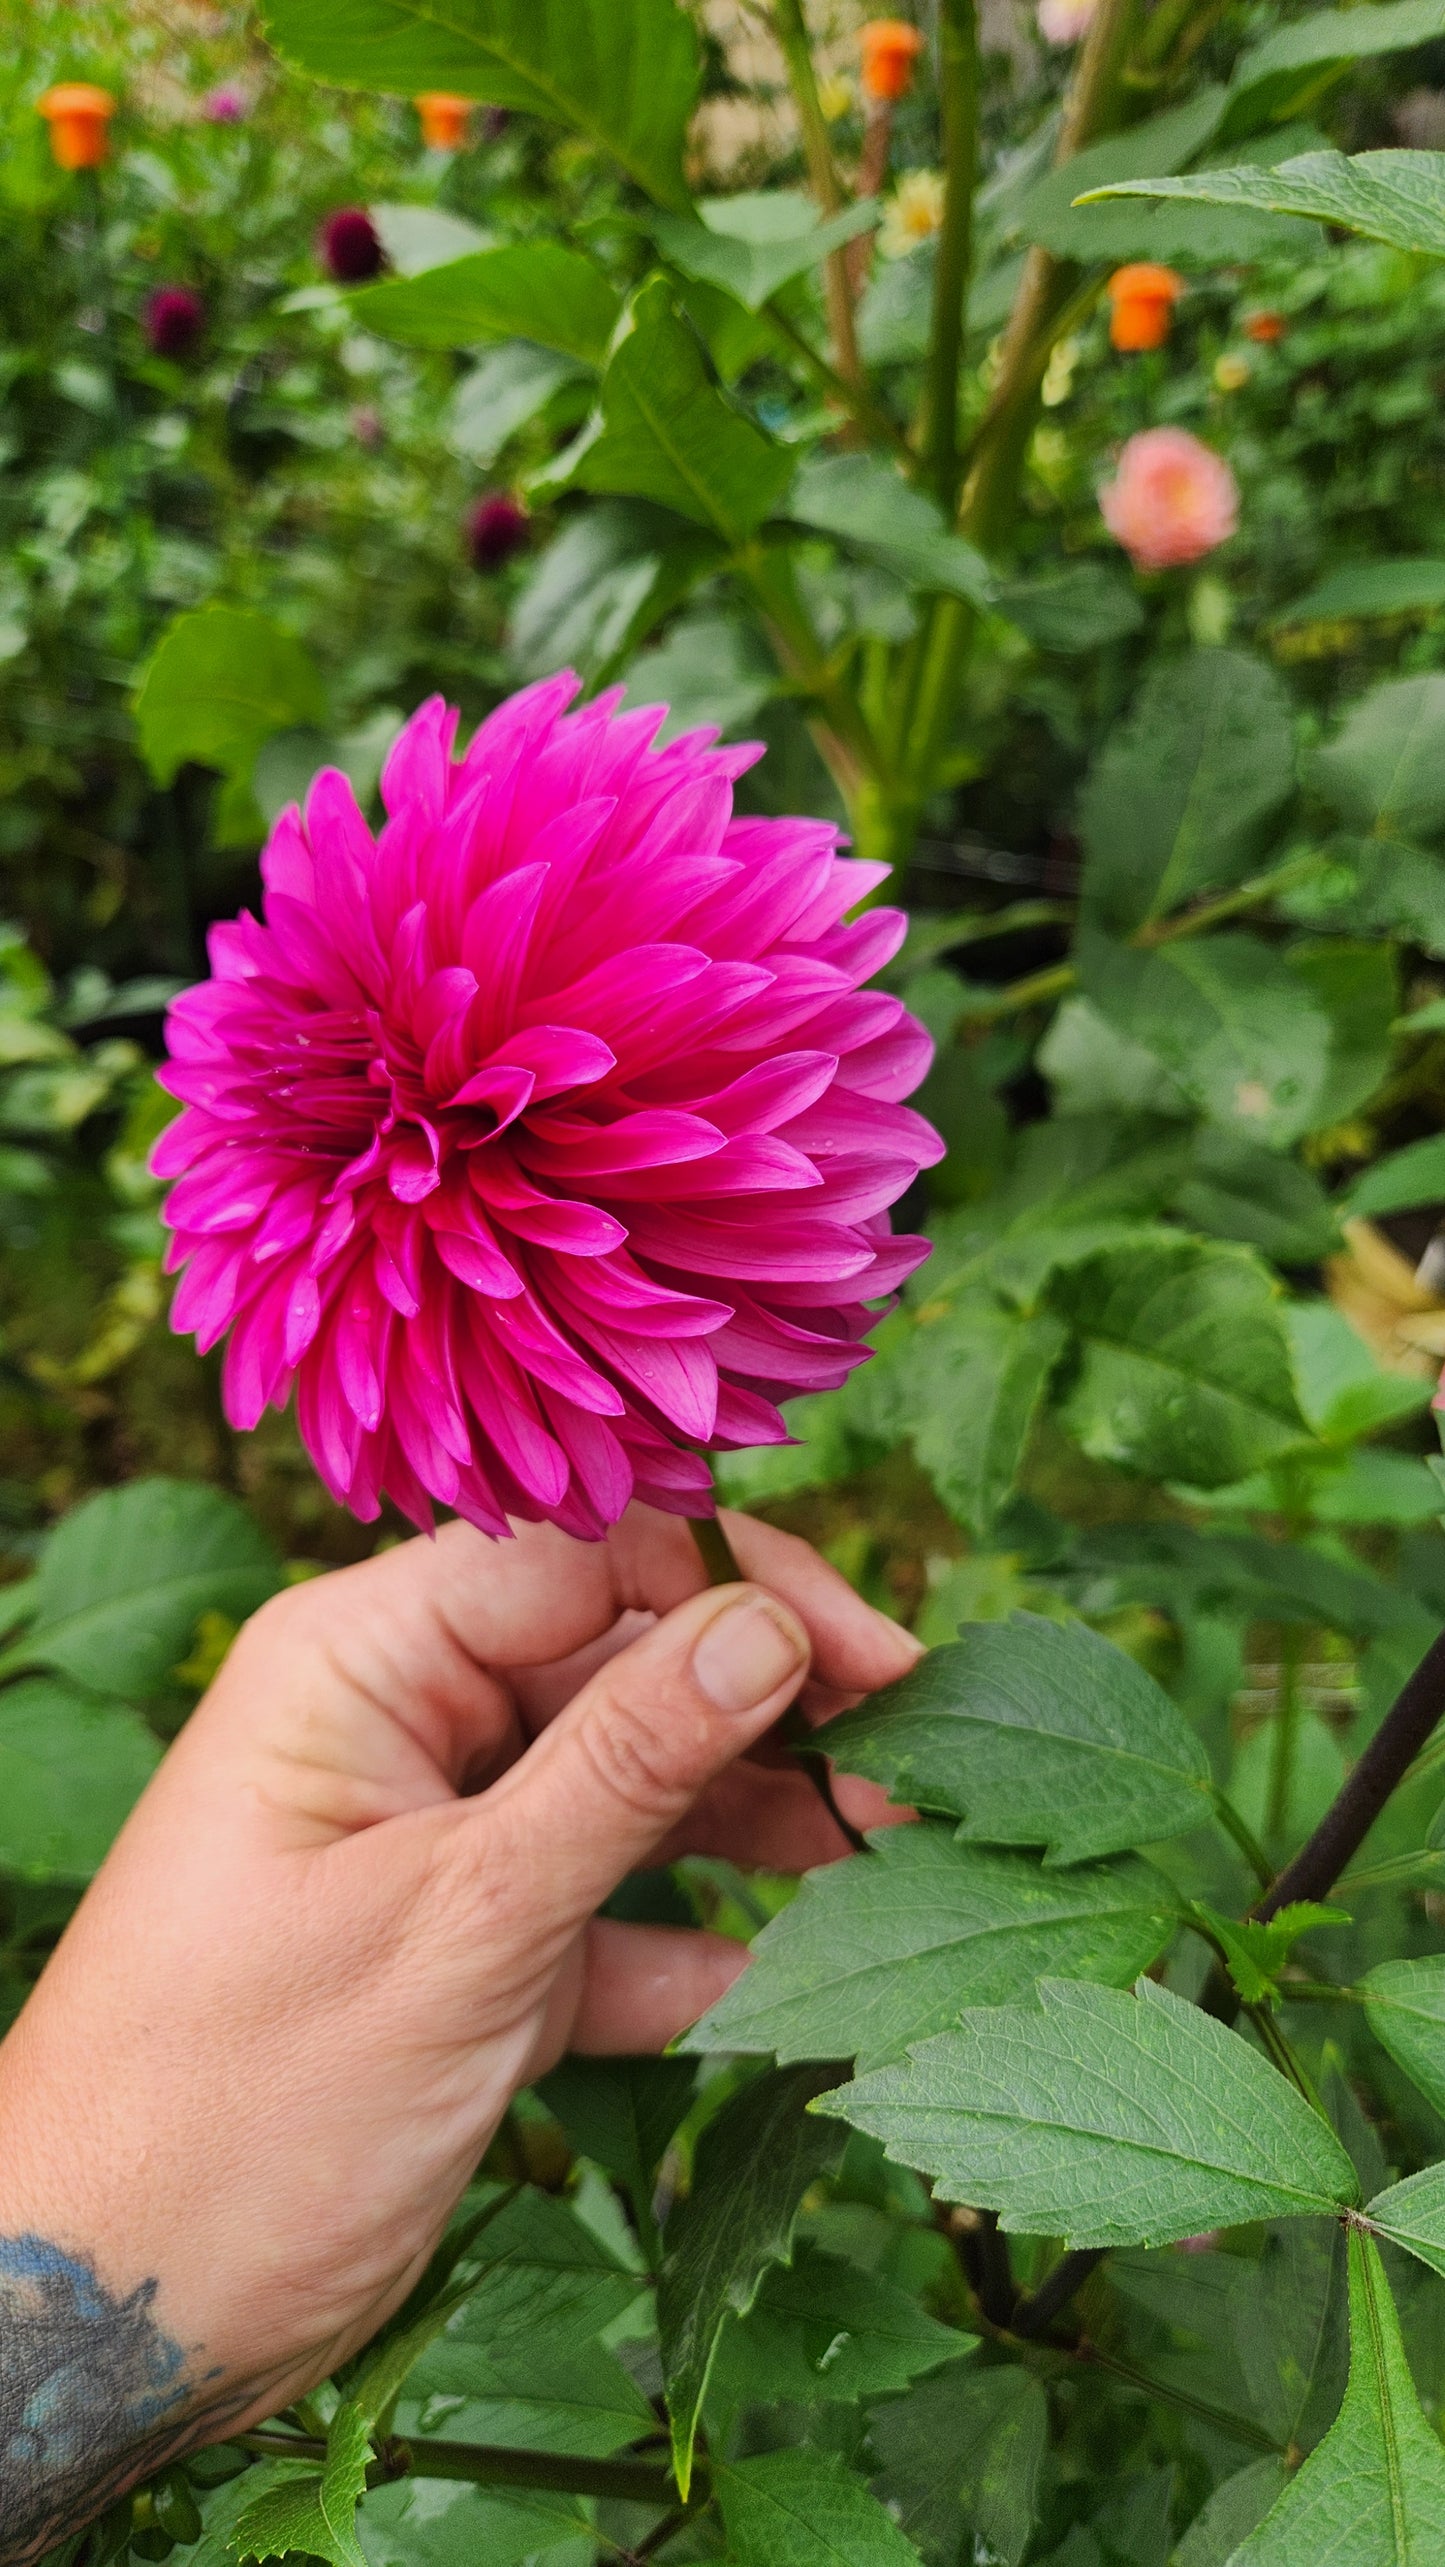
(1172, 499)
(546, 1139)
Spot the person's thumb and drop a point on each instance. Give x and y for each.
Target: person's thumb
(609, 1779)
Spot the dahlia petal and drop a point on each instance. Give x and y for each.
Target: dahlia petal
(540, 1349)
(755, 1163)
(622, 1295)
(496, 939)
(205, 1298)
(447, 994)
(411, 1164)
(774, 1091)
(787, 1249)
(679, 1379)
(472, 1255)
(286, 858)
(392, 1283)
(599, 1461)
(744, 1418)
(575, 1151)
(558, 1057)
(504, 1090)
(303, 1318)
(418, 763)
(507, 1417)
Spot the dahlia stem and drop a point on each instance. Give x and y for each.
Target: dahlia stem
(717, 1552)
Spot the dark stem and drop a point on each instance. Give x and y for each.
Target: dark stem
(1381, 1769)
(1037, 2312)
(815, 1765)
(488, 2465)
(717, 1552)
(982, 2250)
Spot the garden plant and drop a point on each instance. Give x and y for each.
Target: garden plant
(1029, 433)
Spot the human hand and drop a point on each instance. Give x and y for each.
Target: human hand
(353, 1913)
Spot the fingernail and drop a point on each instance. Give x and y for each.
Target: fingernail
(747, 1652)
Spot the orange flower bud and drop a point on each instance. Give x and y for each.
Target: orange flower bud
(1143, 297)
(77, 113)
(1263, 327)
(890, 49)
(444, 120)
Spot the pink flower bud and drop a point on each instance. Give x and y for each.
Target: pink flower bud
(349, 246)
(225, 105)
(1062, 22)
(1172, 499)
(497, 526)
(173, 320)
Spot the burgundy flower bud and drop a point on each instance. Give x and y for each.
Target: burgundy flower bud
(349, 246)
(497, 526)
(173, 320)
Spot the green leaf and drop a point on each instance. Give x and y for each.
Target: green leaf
(545, 2275)
(437, 2522)
(965, 2450)
(872, 1956)
(710, 667)
(314, 2516)
(869, 507)
(217, 684)
(1082, 606)
(1254, 1954)
(1405, 2007)
(1236, 1188)
(533, 290)
(1357, 988)
(1110, 2120)
(1385, 768)
(1373, 2493)
(1189, 235)
(528, 2393)
(803, 2509)
(621, 72)
(1233, 2510)
(505, 389)
(1401, 1182)
(123, 1578)
(664, 432)
(975, 1380)
(1344, 1390)
(823, 2332)
(749, 245)
(1396, 197)
(1365, 589)
(1237, 1027)
(1412, 2214)
(1033, 1733)
(416, 237)
(621, 2112)
(755, 2160)
(1185, 1370)
(70, 1768)
(1179, 799)
(1294, 66)
(601, 585)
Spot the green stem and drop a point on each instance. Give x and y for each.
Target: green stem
(1244, 1837)
(791, 29)
(1285, 1740)
(490, 2465)
(958, 87)
(1057, 979)
(852, 397)
(1048, 289)
(846, 743)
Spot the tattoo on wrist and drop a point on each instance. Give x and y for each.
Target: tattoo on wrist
(93, 2394)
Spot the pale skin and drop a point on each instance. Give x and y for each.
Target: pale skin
(352, 1915)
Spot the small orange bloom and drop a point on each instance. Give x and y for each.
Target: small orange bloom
(890, 49)
(77, 113)
(444, 120)
(1263, 327)
(1143, 298)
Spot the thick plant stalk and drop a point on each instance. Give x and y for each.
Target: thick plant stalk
(1382, 1768)
(791, 29)
(958, 104)
(1048, 289)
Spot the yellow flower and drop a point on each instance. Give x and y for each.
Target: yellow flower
(835, 96)
(1231, 373)
(1058, 382)
(914, 212)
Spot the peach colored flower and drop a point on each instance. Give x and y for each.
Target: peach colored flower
(1172, 500)
(1062, 22)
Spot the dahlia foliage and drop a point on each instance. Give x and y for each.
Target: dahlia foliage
(547, 1139)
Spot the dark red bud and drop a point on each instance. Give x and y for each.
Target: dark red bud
(173, 320)
(497, 526)
(349, 246)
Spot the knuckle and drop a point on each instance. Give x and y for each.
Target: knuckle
(636, 1764)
